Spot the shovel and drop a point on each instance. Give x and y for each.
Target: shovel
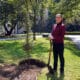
(49, 59)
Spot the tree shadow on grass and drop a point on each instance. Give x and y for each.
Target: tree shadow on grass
(73, 48)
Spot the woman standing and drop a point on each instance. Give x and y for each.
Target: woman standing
(57, 37)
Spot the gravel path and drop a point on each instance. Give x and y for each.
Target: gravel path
(18, 38)
(3, 39)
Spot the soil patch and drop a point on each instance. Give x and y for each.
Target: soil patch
(26, 70)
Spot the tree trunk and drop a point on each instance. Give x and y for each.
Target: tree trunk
(34, 32)
(27, 45)
(9, 32)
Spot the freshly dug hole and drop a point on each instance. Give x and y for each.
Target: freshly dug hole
(28, 65)
(32, 62)
(25, 67)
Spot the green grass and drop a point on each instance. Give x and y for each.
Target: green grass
(12, 52)
(73, 33)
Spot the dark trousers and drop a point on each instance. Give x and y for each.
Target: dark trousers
(58, 50)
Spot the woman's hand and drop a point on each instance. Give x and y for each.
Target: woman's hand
(51, 37)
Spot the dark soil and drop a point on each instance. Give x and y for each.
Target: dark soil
(26, 70)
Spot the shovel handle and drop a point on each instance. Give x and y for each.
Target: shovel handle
(50, 52)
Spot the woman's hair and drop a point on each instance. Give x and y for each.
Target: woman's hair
(58, 15)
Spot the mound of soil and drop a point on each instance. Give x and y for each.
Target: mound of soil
(26, 70)
(6, 71)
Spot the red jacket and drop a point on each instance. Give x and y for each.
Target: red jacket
(58, 33)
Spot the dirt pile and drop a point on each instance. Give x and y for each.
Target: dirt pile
(26, 70)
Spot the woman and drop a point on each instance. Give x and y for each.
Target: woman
(57, 37)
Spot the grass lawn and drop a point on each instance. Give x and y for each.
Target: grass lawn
(12, 52)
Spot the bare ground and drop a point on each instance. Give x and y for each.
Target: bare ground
(26, 70)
